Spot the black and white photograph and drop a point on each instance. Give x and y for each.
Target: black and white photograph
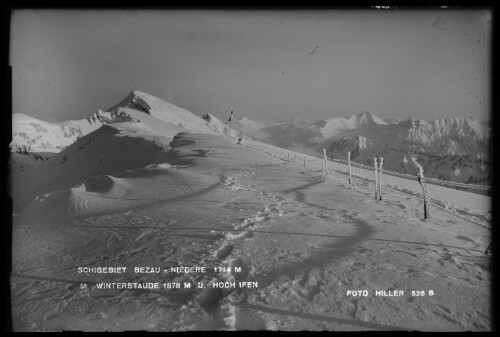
(269, 169)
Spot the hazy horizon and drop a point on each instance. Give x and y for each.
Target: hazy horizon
(264, 65)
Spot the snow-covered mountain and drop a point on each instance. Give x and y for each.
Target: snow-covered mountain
(442, 136)
(449, 135)
(459, 142)
(33, 135)
(166, 112)
(99, 144)
(30, 134)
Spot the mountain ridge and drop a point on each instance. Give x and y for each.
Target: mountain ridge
(367, 134)
(460, 145)
(30, 134)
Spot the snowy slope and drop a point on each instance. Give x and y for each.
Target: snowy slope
(306, 239)
(18, 163)
(164, 111)
(144, 190)
(464, 202)
(111, 148)
(33, 135)
(216, 125)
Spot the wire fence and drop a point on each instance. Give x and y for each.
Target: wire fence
(485, 223)
(297, 158)
(310, 159)
(434, 181)
(302, 159)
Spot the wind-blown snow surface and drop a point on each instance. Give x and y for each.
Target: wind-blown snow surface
(110, 149)
(305, 238)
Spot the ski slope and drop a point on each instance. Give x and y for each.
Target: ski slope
(201, 200)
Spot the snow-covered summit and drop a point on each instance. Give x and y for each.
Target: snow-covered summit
(164, 111)
(334, 126)
(30, 134)
(366, 117)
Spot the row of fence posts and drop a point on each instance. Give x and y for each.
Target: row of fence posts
(378, 164)
(295, 159)
(378, 167)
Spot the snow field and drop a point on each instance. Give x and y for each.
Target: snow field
(474, 206)
(305, 238)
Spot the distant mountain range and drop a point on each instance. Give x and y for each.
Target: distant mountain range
(454, 149)
(442, 136)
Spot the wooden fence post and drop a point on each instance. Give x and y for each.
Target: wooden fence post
(421, 180)
(349, 164)
(381, 162)
(305, 161)
(288, 158)
(376, 179)
(324, 161)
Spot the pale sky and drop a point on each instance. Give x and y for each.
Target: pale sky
(274, 64)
